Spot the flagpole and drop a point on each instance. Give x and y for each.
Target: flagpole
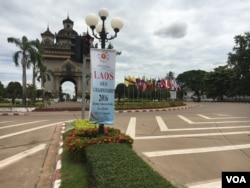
(83, 85)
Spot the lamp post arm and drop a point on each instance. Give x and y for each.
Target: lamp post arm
(95, 35)
(112, 36)
(103, 37)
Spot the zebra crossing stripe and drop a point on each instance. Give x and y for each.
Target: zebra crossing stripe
(190, 135)
(209, 122)
(224, 117)
(131, 127)
(195, 150)
(161, 123)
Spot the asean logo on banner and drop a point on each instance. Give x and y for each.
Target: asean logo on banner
(103, 56)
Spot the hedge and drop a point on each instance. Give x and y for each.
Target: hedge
(116, 165)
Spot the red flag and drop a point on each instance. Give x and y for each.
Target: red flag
(169, 84)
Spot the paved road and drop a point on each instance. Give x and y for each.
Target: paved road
(192, 147)
(24, 145)
(189, 147)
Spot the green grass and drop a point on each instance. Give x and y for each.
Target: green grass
(128, 105)
(73, 173)
(9, 104)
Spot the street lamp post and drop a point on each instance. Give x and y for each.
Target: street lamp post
(102, 34)
(84, 54)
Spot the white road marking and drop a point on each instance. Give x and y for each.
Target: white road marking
(21, 155)
(28, 130)
(131, 127)
(210, 128)
(209, 122)
(161, 123)
(195, 150)
(185, 119)
(9, 126)
(222, 114)
(206, 184)
(206, 117)
(132, 124)
(5, 121)
(189, 135)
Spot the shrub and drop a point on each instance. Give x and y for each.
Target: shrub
(117, 165)
(81, 124)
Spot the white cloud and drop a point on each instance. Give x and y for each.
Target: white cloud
(158, 36)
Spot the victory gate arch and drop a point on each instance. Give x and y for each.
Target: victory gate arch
(57, 59)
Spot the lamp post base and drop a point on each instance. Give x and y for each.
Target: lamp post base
(101, 129)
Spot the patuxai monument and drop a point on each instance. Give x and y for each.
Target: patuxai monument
(57, 58)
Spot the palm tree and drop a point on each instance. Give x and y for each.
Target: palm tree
(43, 75)
(28, 51)
(36, 63)
(170, 76)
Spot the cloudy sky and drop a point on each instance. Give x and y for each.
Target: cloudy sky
(158, 35)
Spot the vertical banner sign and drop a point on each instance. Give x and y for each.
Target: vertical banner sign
(102, 86)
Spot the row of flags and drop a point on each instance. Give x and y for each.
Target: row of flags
(152, 84)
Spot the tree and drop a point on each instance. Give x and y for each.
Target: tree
(194, 80)
(43, 75)
(36, 63)
(31, 92)
(218, 82)
(111, 47)
(170, 76)
(239, 60)
(28, 52)
(2, 91)
(120, 90)
(13, 91)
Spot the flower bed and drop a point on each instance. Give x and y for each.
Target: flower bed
(76, 140)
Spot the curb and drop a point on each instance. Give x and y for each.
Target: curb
(159, 109)
(11, 114)
(57, 174)
(117, 111)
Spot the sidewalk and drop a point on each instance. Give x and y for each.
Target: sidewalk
(62, 106)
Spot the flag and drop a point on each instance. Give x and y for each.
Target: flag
(141, 84)
(176, 85)
(149, 84)
(129, 80)
(163, 84)
(169, 84)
